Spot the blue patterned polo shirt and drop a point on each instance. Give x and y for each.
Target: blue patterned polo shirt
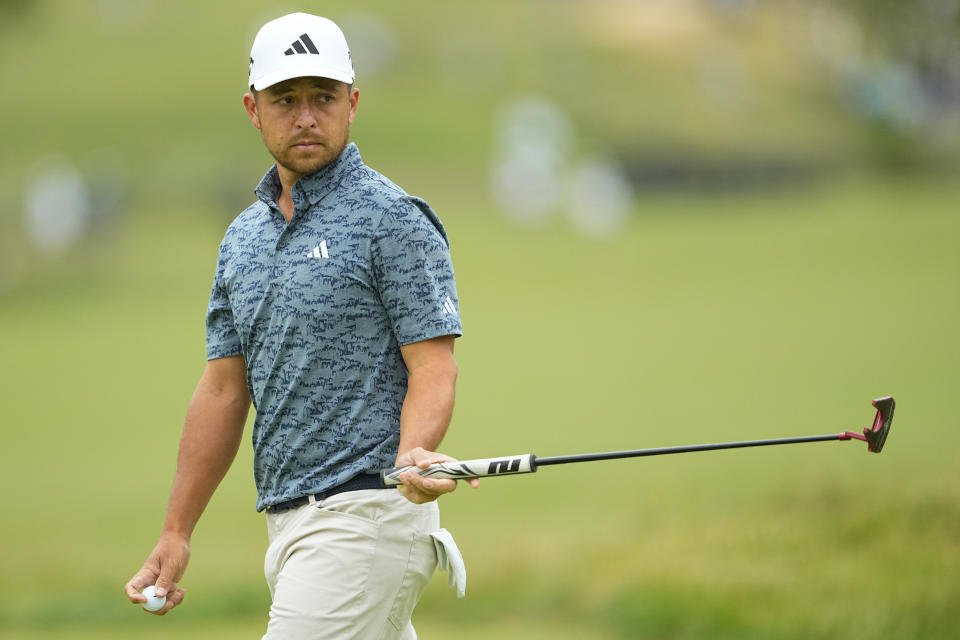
(319, 309)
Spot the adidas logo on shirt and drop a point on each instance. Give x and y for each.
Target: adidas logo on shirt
(303, 44)
(449, 308)
(319, 251)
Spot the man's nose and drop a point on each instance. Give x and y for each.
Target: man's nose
(306, 118)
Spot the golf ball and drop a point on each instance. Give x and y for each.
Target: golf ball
(153, 603)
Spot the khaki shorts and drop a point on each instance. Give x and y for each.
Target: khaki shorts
(350, 566)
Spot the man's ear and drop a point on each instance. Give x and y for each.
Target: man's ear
(354, 101)
(250, 104)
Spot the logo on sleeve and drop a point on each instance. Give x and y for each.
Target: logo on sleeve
(449, 308)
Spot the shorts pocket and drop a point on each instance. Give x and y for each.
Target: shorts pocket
(421, 563)
(361, 505)
(337, 551)
(325, 563)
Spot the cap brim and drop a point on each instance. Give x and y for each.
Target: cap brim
(272, 78)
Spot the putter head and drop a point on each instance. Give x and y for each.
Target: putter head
(876, 435)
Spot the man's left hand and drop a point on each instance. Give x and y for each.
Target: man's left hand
(418, 489)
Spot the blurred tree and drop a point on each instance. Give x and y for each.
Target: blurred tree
(908, 82)
(12, 8)
(922, 32)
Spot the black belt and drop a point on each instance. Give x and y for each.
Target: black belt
(358, 483)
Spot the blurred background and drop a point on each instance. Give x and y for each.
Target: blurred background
(673, 221)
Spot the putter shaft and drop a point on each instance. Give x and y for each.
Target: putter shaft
(639, 453)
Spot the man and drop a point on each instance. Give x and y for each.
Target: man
(334, 310)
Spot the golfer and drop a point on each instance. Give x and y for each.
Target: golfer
(334, 311)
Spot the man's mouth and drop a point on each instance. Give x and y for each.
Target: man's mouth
(307, 145)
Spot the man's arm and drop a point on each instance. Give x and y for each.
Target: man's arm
(425, 416)
(211, 437)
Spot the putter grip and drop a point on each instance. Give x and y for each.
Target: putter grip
(463, 469)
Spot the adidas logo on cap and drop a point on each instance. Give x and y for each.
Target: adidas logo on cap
(302, 45)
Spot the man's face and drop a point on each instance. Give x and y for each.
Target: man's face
(305, 122)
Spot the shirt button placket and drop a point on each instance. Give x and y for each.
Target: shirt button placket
(278, 248)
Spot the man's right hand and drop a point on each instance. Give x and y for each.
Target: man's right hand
(164, 567)
(211, 436)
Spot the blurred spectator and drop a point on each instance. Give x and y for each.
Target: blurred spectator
(600, 197)
(533, 142)
(373, 42)
(57, 205)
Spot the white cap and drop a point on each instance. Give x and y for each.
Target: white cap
(299, 44)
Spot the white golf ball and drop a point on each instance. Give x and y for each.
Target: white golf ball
(153, 603)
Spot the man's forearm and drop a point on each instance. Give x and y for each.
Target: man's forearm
(428, 405)
(211, 437)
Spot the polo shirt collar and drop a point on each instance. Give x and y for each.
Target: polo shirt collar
(312, 187)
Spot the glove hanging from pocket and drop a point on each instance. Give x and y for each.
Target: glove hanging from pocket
(450, 559)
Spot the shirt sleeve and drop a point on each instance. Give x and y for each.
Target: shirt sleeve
(414, 273)
(222, 338)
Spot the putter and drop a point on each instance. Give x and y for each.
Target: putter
(875, 436)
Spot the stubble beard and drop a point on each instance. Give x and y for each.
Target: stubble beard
(286, 156)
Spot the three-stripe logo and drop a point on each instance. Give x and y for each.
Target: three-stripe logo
(319, 251)
(303, 44)
(449, 308)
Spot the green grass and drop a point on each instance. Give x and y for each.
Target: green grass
(709, 319)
